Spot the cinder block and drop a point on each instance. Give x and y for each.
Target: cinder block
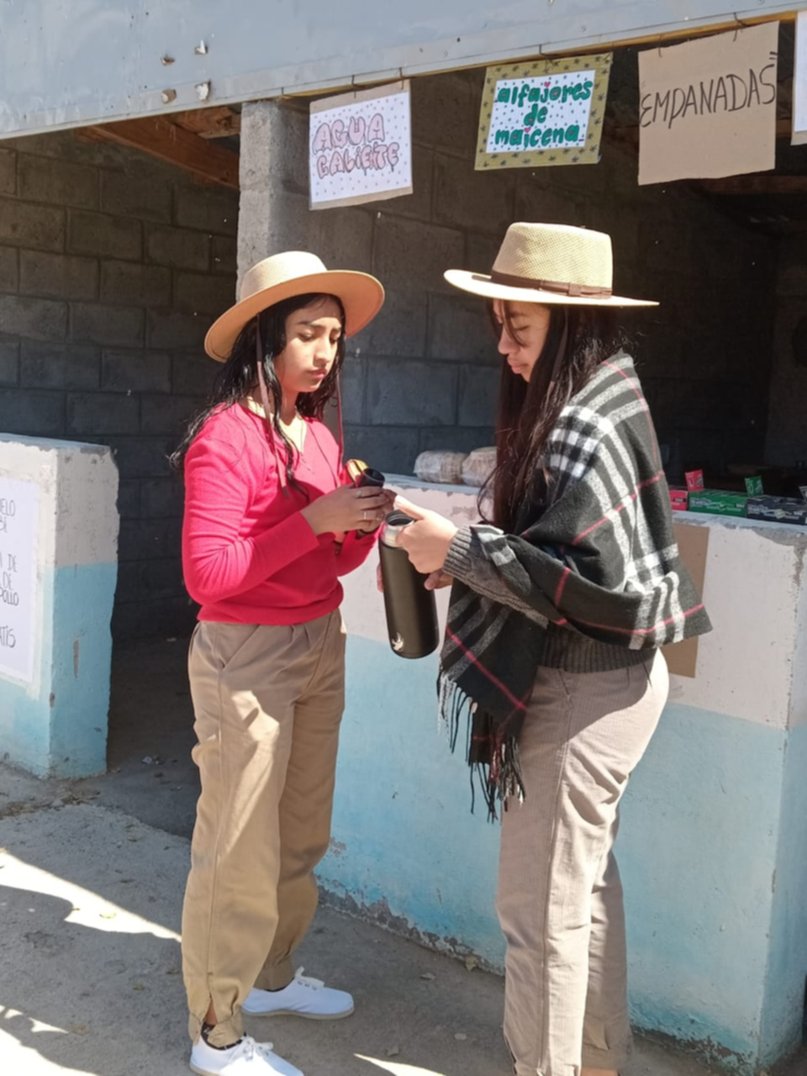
(179, 248)
(129, 500)
(445, 111)
(164, 619)
(174, 329)
(193, 373)
(353, 383)
(135, 195)
(168, 414)
(418, 204)
(464, 198)
(480, 254)
(224, 256)
(36, 226)
(139, 285)
(142, 457)
(161, 497)
(399, 329)
(149, 539)
(58, 276)
(457, 438)
(58, 182)
(161, 579)
(342, 237)
(59, 366)
(203, 293)
(389, 449)
(479, 390)
(538, 199)
(104, 235)
(404, 393)
(32, 412)
(106, 324)
(210, 209)
(274, 148)
(8, 168)
(101, 413)
(37, 319)
(270, 219)
(9, 362)
(9, 274)
(459, 328)
(411, 255)
(136, 371)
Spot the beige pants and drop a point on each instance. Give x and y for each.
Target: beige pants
(559, 898)
(268, 701)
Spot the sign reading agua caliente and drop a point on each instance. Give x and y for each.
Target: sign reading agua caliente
(543, 112)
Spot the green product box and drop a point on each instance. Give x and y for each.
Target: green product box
(719, 502)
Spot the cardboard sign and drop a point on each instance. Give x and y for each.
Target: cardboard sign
(360, 147)
(799, 136)
(19, 524)
(707, 108)
(693, 545)
(542, 113)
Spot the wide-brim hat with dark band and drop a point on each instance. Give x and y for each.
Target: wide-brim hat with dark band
(282, 276)
(548, 263)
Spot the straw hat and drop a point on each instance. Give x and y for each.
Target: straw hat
(548, 263)
(282, 276)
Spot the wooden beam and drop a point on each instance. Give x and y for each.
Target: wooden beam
(219, 122)
(755, 184)
(159, 137)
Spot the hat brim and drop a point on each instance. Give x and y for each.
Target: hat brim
(361, 295)
(484, 285)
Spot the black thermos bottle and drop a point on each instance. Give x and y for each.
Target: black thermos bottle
(410, 608)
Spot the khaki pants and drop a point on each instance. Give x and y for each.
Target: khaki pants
(268, 701)
(559, 898)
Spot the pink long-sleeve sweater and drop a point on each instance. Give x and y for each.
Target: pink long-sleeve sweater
(248, 555)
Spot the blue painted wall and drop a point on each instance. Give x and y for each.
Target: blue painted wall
(713, 878)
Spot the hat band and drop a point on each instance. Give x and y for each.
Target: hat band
(560, 287)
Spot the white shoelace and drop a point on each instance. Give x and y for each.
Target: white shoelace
(248, 1048)
(306, 980)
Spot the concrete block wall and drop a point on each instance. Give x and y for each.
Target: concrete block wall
(111, 268)
(786, 443)
(425, 373)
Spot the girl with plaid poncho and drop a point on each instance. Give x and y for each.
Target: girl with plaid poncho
(559, 604)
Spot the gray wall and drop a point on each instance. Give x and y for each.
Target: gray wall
(787, 423)
(425, 374)
(111, 268)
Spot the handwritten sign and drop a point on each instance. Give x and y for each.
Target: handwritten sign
(360, 147)
(543, 113)
(707, 108)
(19, 510)
(799, 136)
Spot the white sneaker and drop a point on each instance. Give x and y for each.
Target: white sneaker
(246, 1058)
(303, 996)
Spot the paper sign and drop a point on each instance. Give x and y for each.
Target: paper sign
(707, 108)
(543, 112)
(799, 136)
(360, 147)
(19, 515)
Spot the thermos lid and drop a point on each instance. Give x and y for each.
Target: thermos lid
(392, 527)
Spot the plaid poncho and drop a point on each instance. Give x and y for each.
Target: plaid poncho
(595, 566)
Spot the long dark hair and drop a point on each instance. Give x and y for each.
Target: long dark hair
(578, 339)
(239, 375)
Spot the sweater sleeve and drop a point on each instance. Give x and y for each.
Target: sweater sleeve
(217, 562)
(355, 550)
